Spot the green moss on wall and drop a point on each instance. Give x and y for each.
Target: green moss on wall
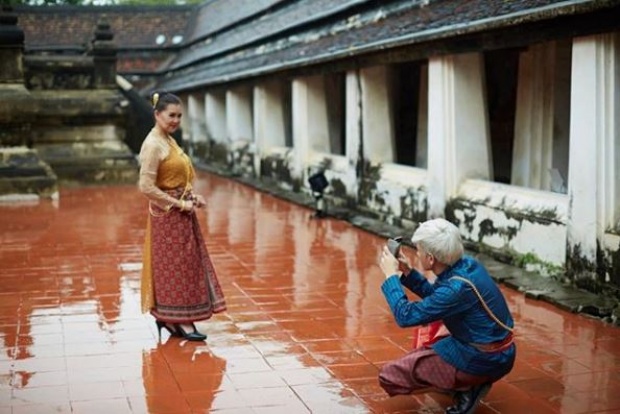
(530, 260)
(218, 152)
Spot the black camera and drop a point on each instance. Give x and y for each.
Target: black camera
(393, 245)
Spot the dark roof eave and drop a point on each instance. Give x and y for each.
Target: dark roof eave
(127, 8)
(565, 8)
(120, 49)
(540, 13)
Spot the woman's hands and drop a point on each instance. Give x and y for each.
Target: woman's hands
(195, 201)
(186, 206)
(199, 201)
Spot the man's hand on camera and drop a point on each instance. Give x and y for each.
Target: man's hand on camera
(389, 264)
(403, 264)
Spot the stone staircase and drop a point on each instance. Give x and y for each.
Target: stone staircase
(82, 137)
(63, 119)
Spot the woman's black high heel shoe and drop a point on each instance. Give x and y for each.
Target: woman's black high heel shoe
(172, 331)
(190, 336)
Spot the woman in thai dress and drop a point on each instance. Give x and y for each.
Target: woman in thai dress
(179, 283)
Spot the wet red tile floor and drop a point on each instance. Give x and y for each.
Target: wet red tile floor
(306, 328)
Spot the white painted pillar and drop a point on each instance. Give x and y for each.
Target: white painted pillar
(196, 115)
(353, 130)
(239, 116)
(185, 124)
(539, 118)
(215, 108)
(594, 173)
(421, 158)
(561, 124)
(377, 124)
(310, 125)
(458, 132)
(269, 121)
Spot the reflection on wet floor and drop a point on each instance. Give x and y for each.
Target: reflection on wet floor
(306, 329)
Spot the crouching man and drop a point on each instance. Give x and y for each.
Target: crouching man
(477, 348)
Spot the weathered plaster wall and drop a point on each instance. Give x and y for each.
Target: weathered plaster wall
(513, 222)
(610, 266)
(396, 193)
(276, 165)
(533, 224)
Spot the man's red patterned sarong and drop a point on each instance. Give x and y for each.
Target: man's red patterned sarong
(422, 369)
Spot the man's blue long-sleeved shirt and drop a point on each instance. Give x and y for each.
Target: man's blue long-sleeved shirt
(454, 302)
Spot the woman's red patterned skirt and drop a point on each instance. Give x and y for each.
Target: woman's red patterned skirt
(185, 285)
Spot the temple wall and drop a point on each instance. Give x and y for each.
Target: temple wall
(551, 216)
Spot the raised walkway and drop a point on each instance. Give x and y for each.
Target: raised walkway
(306, 330)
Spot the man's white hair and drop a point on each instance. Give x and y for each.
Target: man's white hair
(440, 238)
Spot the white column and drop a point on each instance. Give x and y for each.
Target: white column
(421, 158)
(185, 124)
(458, 137)
(215, 108)
(196, 114)
(269, 124)
(239, 116)
(561, 115)
(377, 125)
(594, 173)
(310, 126)
(540, 118)
(353, 129)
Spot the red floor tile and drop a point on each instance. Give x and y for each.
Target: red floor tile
(306, 329)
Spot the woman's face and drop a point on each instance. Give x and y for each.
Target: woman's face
(169, 119)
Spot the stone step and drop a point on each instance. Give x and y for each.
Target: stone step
(23, 172)
(105, 162)
(91, 174)
(77, 133)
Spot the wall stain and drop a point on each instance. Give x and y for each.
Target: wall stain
(580, 270)
(276, 169)
(614, 258)
(409, 204)
(463, 206)
(368, 176)
(218, 152)
(338, 188)
(200, 150)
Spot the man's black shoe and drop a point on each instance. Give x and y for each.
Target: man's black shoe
(467, 401)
